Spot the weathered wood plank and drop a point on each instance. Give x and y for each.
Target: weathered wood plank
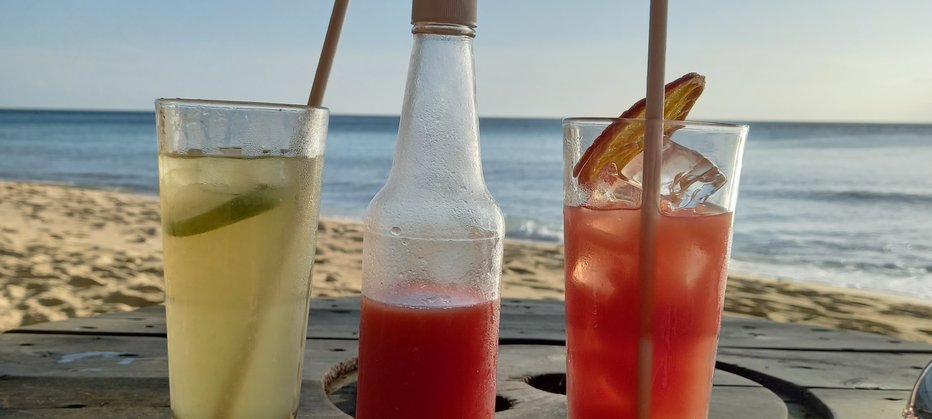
(341, 321)
(822, 369)
(26, 355)
(733, 396)
(83, 392)
(863, 404)
(520, 365)
(117, 397)
(144, 321)
(525, 402)
(129, 321)
(533, 404)
(519, 362)
(746, 402)
(851, 373)
(36, 381)
(522, 320)
(764, 334)
(57, 371)
(104, 357)
(89, 413)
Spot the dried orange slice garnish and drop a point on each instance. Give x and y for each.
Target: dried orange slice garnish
(622, 141)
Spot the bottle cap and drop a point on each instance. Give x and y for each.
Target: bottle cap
(459, 12)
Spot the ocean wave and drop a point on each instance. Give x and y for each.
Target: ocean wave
(859, 196)
(912, 285)
(530, 229)
(860, 261)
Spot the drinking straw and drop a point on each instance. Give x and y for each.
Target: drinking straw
(650, 201)
(235, 383)
(327, 52)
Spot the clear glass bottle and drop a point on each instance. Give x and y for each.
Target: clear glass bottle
(432, 254)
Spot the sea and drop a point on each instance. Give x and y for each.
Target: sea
(833, 203)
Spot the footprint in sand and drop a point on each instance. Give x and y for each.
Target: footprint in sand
(151, 269)
(108, 272)
(84, 281)
(8, 251)
(520, 270)
(50, 301)
(120, 297)
(147, 289)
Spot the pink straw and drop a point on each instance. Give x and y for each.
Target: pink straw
(650, 199)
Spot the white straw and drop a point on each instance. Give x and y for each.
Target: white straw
(650, 199)
(327, 52)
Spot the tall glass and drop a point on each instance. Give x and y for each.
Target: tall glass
(602, 223)
(239, 188)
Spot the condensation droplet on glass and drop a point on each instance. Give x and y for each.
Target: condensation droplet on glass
(396, 230)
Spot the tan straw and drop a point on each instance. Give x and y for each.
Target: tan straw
(326, 54)
(650, 210)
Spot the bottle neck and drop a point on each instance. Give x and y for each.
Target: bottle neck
(438, 135)
(451, 29)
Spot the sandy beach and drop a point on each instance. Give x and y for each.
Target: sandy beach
(72, 252)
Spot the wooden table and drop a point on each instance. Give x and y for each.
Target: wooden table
(114, 366)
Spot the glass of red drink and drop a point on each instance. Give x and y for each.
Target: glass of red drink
(602, 223)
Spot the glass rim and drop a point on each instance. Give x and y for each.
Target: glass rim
(237, 104)
(585, 120)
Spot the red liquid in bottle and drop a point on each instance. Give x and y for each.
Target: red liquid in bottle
(427, 362)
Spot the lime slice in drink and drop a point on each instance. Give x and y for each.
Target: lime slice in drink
(241, 207)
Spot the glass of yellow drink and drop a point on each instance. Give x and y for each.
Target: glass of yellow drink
(240, 195)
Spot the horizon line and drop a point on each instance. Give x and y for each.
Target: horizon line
(377, 115)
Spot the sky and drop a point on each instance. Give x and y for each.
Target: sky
(764, 60)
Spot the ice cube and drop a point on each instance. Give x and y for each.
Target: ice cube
(686, 262)
(695, 180)
(687, 179)
(240, 175)
(178, 175)
(614, 189)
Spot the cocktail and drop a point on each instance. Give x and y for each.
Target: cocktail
(699, 172)
(239, 187)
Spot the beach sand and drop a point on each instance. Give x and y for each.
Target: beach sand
(72, 252)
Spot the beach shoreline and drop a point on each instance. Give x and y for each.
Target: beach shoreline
(69, 251)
